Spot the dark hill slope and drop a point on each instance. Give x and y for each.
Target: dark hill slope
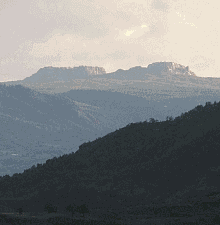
(174, 162)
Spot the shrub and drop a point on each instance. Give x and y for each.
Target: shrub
(82, 209)
(20, 210)
(50, 208)
(71, 208)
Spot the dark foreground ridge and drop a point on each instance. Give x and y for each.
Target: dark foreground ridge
(152, 172)
(204, 213)
(61, 220)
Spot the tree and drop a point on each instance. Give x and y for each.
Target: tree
(208, 104)
(6, 177)
(199, 107)
(20, 210)
(82, 209)
(50, 208)
(39, 165)
(152, 120)
(169, 118)
(15, 175)
(178, 118)
(71, 208)
(32, 168)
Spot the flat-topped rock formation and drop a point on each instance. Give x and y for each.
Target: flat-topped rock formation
(168, 68)
(162, 74)
(52, 74)
(161, 69)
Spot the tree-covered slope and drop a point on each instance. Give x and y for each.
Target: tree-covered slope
(156, 162)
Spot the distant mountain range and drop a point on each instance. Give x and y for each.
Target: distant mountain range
(159, 75)
(47, 115)
(54, 74)
(132, 142)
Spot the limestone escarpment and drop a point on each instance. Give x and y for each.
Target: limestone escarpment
(168, 68)
(50, 74)
(94, 70)
(88, 70)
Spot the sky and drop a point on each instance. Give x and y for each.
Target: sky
(115, 35)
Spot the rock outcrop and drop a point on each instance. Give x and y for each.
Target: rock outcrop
(50, 74)
(168, 68)
(85, 70)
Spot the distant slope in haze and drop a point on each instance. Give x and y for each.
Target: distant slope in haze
(36, 126)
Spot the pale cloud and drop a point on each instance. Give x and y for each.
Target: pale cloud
(184, 20)
(131, 33)
(54, 45)
(160, 5)
(117, 34)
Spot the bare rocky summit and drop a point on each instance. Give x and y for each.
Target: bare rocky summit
(51, 74)
(88, 70)
(168, 68)
(157, 69)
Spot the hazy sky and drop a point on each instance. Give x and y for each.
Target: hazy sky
(111, 34)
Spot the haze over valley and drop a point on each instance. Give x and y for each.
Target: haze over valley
(109, 112)
(42, 117)
(104, 143)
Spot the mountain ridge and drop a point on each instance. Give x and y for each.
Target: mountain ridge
(86, 72)
(65, 73)
(158, 75)
(164, 68)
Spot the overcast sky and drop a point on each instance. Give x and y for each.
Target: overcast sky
(111, 34)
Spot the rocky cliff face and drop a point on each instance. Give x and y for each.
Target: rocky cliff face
(89, 70)
(50, 74)
(168, 68)
(94, 70)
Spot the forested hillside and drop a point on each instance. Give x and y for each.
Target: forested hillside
(172, 162)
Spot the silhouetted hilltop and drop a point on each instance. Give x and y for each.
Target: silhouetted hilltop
(166, 68)
(157, 69)
(156, 77)
(172, 162)
(52, 74)
(66, 74)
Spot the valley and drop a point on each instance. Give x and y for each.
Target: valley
(128, 154)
